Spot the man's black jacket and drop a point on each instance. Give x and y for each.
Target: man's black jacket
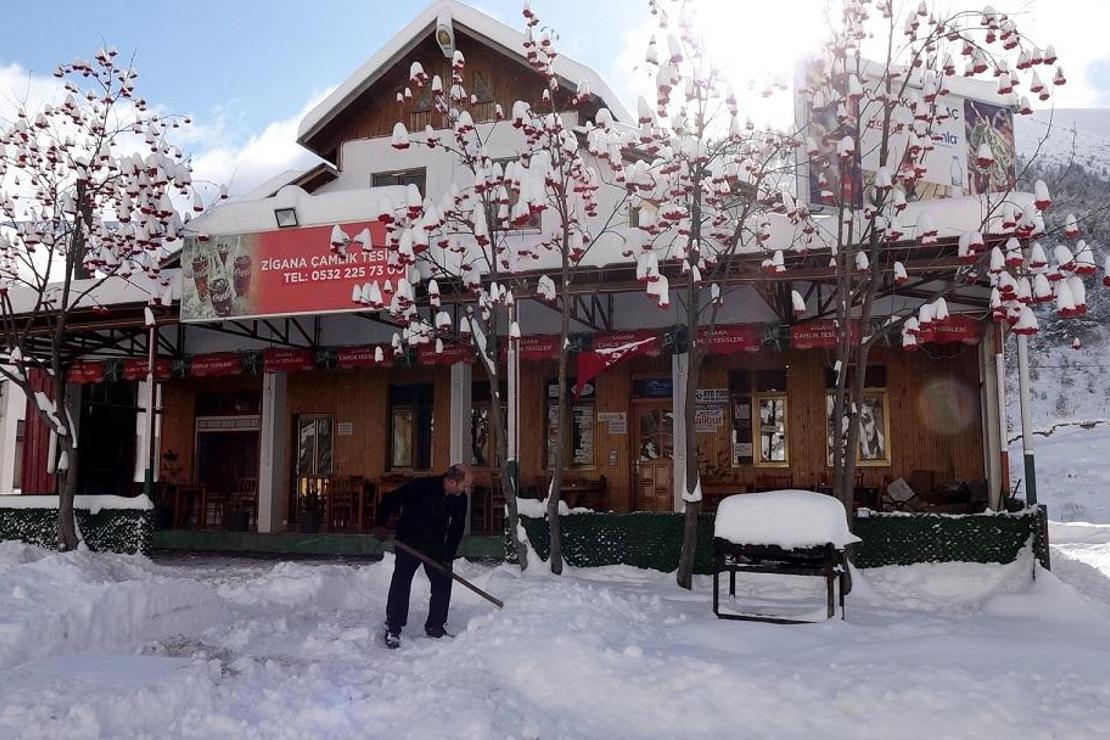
(431, 521)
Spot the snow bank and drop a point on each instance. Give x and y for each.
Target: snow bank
(287, 650)
(92, 504)
(53, 602)
(786, 518)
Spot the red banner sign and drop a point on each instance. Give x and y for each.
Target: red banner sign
(732, 338)
(215, 365)
(817, 335)
(288, 360)
(457, 352)
(135, 369)
(956, 328)
(349, 358)
(86, 372)
(282, 272)
(539, 347)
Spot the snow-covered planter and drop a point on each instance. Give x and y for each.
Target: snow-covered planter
(106, 523)
(902, 538)
(654, 539)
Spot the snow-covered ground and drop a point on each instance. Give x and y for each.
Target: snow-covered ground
(1073, 472)
(117, 646)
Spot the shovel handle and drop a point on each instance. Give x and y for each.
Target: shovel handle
(440, 567)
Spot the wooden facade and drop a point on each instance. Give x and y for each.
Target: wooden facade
(932, 406)
(489, 75)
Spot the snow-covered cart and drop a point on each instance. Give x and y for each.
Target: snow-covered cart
(796, 533)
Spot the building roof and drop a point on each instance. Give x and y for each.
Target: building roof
(486, 27)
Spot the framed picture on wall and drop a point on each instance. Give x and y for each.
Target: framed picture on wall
(874, 438)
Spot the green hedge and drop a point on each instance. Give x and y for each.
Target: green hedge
(108, 530)
(653, 540)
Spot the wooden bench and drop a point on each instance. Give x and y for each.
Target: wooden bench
(824, 561)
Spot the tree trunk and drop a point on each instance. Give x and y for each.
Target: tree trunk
(556, 556)
(505, 470)
(65, 470)
(692, 478)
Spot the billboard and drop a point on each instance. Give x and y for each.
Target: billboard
(947, 170)
(284, 272)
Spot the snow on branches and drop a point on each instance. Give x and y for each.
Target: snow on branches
(91, 184)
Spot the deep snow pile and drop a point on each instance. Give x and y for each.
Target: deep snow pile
(238, 648)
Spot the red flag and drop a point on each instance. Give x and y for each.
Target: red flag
(592, 363)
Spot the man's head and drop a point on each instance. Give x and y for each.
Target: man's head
(459, 478)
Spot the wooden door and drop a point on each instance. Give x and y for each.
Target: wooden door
(653, 437)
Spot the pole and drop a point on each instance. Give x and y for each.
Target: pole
(151, 346)
(512, 370)
(443, 569)
(1000, 387)
(1026, 421)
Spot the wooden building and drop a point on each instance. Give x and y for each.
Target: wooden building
(258, 412)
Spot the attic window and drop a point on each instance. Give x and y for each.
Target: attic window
(481, 89)
(424, 103)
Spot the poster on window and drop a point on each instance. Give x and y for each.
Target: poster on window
(993, 126)
(873, 448)
(283, 272)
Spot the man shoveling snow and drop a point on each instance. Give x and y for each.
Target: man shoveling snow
(433, 517)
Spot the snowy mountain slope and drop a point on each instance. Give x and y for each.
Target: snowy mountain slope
(1081, 135)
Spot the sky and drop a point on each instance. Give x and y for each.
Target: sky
(246, 71)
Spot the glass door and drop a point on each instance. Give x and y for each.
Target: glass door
(654, 439)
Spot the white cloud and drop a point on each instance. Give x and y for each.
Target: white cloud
(242, 167)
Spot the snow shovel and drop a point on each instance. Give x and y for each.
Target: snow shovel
(440, 567)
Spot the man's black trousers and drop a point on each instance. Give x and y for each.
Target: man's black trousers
(397, 608)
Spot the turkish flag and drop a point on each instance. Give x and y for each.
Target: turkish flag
(592, 363)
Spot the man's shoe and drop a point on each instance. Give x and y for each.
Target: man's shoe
(437, 632)
(391, 640)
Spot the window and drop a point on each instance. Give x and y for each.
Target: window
(579, 443)
(314, 445)
(874, 417)
(758, 425)
(411, 421)
(17, 477)
(482, 452)
(417, 177)
(229, 404)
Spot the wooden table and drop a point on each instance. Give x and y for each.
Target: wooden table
(590, 494)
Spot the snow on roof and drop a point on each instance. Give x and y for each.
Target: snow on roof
(110, 291)
(331, 207)
(475, 20)
(788, 518)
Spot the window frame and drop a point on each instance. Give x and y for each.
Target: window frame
(551, 404)
(417, 175)
(757, 432)
(871, 390)
(421, 444)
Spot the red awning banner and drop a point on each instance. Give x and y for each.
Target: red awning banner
(456, 352)
(817, 335)
(591, 363)
(956, 328)
(86, 372)
(215, 364)
(349, 358)
(135, 369)
(284, 272)
(732, 338)
(288, 360)
(539, 347)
